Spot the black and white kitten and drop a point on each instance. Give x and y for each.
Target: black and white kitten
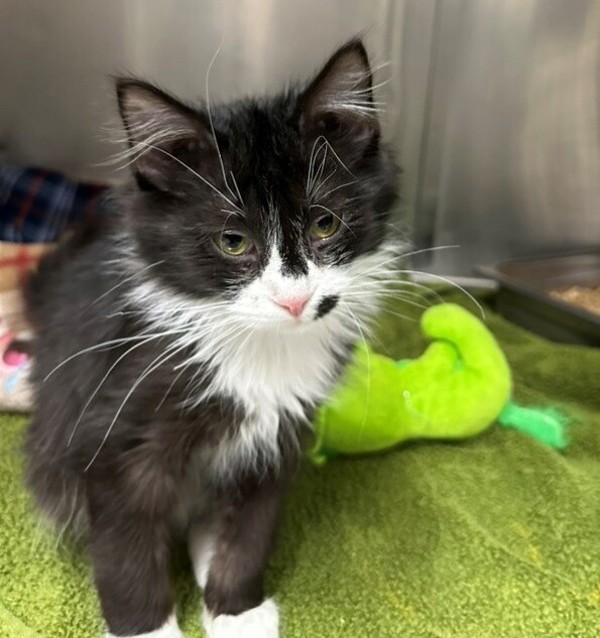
(183, 346)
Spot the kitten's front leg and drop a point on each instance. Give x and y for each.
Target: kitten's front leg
(235, 604)
(130, 552)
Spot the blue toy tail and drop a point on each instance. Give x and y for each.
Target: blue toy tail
(544, 424)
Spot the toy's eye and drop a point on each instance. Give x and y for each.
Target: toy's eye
(233, 243)
(325, 226)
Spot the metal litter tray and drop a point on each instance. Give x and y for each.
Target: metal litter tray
(526, 296)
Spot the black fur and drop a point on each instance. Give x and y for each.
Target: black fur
(327, 305)
(131, 493)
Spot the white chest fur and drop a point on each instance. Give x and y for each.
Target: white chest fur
(271, 377)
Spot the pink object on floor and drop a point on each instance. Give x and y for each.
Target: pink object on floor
(14, 358)
(15, 394)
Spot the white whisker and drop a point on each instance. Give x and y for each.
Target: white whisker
(312, 189)
(210, 119)
(193, 172)
(311, 163)
(237, 188)
(400, 315)
(104, 378)
(382, 293)
(401, 256)
(337, 188)
(450, 282)
(319, 171)
(124, 281)
(398, 286)
(113, 343)
(153, 366)
(337, 157)
(368, 395)
(310, 166)
(171, 386)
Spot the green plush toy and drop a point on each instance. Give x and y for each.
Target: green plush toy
(459, 386)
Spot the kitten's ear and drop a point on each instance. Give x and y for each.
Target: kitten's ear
(339, 102)
(166, 138)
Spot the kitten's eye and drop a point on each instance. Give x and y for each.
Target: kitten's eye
(325, 226)
(232, 243)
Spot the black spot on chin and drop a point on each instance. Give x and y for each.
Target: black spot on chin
(326, 305)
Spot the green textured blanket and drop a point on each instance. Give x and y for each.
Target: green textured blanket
(493, 537)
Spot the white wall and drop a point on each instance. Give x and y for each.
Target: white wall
(56, 56)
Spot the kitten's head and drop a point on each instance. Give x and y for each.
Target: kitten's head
(273, 206)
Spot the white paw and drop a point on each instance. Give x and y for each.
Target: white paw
(169, 630)
(201, 547)
(259, 622)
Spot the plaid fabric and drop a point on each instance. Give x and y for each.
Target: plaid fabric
(16, 261)
(37, 205)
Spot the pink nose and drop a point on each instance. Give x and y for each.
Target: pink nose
(294, 306)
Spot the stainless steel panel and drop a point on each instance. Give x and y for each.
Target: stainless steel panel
(513, 141)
